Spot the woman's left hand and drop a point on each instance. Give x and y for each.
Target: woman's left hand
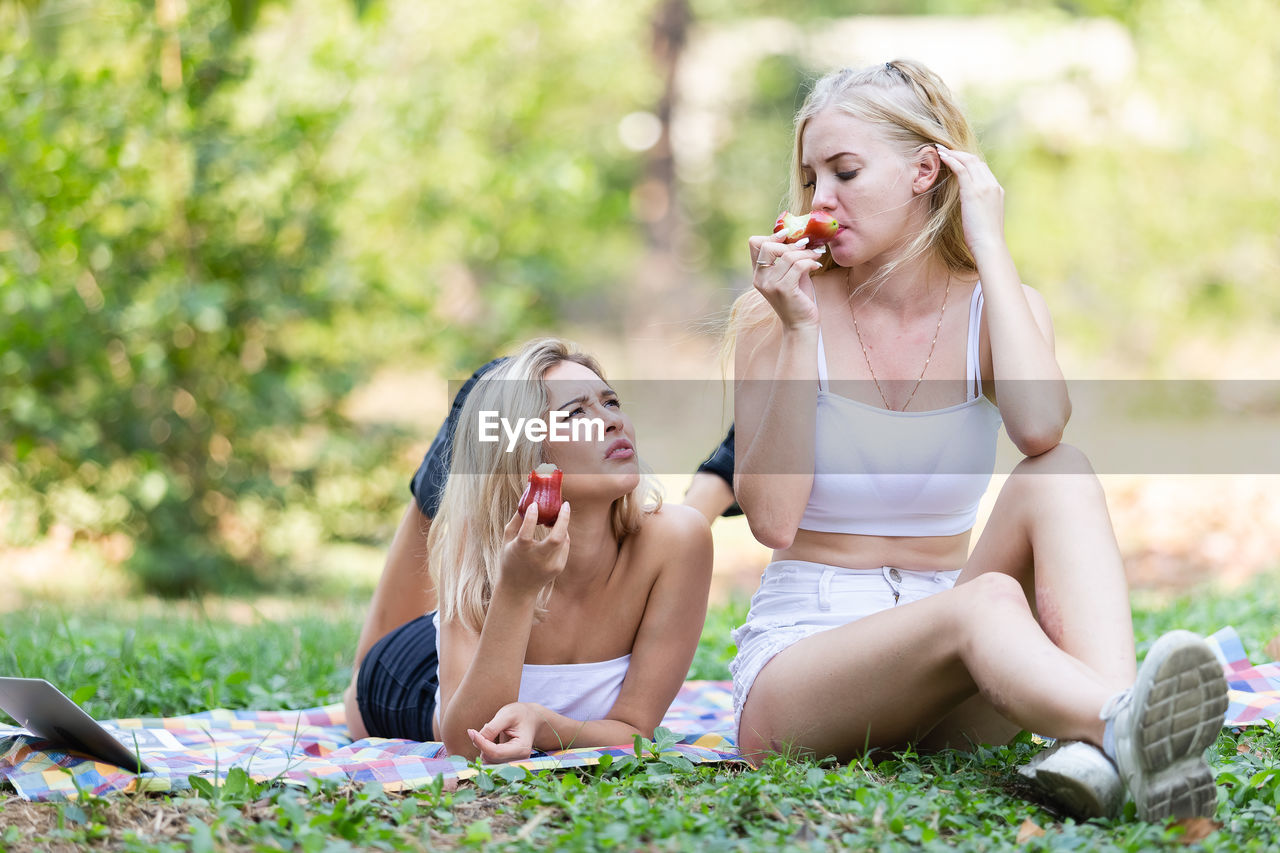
(981, 199)
(509, 735)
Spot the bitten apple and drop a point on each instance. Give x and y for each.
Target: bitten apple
(544, 490)
(818, 227)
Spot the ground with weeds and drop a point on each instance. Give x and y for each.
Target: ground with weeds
(142, 657)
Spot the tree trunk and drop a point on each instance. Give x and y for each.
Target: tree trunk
(659, 279)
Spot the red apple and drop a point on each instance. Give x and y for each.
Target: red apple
(544, 490)
(818, 227)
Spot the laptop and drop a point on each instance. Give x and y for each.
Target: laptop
(45, 711)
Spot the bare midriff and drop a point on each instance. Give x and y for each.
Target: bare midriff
(856, 551)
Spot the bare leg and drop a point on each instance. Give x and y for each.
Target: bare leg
(709, 494)
(974, 721)
(891, 677)
(1050, 530)
(404, 592)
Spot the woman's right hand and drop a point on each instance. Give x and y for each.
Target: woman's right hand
(510, 734)
(529, 564)
(782, 278)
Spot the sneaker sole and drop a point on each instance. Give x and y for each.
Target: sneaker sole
(1182, 791)
(1182, 713)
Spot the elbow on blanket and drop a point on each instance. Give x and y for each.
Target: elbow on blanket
(456, 743)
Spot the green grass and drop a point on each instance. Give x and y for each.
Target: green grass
(138, 658)
(143, 658)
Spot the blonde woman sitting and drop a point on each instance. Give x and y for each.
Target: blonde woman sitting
(876, 624)
(575, 636)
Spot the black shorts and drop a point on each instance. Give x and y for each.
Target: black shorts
(396, 687)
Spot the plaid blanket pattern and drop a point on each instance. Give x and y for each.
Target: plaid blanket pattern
(1253, 689)
(292, 746)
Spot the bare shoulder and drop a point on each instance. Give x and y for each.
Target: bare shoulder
(672, 523)
(1033, 297)
(675, 534)
(1039, 309)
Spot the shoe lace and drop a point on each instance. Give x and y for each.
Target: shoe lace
(1116, 704)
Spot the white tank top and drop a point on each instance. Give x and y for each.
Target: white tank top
(880, 472)
(579, 691)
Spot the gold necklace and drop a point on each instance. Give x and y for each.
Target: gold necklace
(927, 358)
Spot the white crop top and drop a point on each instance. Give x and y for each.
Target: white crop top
(580, 691)
(880, 472)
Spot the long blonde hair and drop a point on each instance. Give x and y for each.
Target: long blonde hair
(485, 482)
(913, 108)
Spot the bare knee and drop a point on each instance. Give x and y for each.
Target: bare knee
(1062, 459)
(988, 596)
(994, 605)
(995, 587)
(1063, 473)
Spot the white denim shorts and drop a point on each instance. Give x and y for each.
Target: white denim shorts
(798, 599)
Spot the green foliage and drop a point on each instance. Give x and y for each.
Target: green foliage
(165, 270)
(494, 193)
(1165, 224)
(1253, 609)
(213, 227)
(175, 660)
(715, 650)
(206, 236)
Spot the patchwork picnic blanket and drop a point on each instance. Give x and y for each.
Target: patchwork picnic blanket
(1254, 690)
(291, 746)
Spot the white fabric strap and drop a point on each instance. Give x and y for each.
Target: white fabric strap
(822, 362)
(822, 353)
(973, 356)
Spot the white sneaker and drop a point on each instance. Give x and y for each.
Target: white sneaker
(1078, 777)
(1163, 724)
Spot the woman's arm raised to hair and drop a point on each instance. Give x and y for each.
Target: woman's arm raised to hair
(1029, 387)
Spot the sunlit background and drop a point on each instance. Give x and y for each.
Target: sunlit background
(244, 246)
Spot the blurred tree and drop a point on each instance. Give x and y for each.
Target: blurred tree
(1163, 226)
(213, 216)
(493, 190)
(216, 216)
(163, 261)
